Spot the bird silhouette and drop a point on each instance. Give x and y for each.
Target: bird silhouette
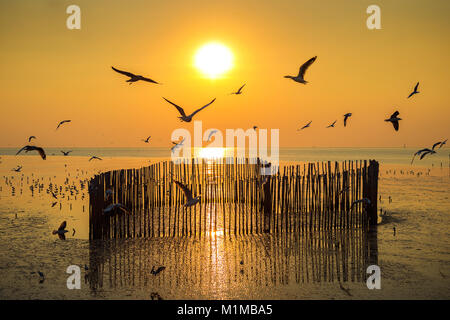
(184, 117)
(156, 271)
(33, 148)
(213, 132)
(190, 201)
(332, 125)
(62, 122)
(61, 231)
(239, 90)
(177, 145)
(394, 120)
(17, 169)
(301, 73)
(365, 201)
(346, 116)
(133, 77)
(66, 153)
(305, 126)
(95, 158)
(414, 91)
(146, 140)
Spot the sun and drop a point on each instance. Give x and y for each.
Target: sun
(213, 59)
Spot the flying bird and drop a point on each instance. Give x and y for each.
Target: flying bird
(158, 270)
(346, 116)
(239, 91)
(414, 92)
(30, 138)
(184, 117)
(418, 153)
(95, 158)
(394, 120)
(426, 152)
(61, 231)
(33, 148)
(114, 208)
(190, 201)
(146, 140)
(332, 125)
(66, 153)
(134, 77)
(62, 122)
(17, 169)
(305, 126)
(301, 73)
(364, 201)
(440, 144)
(213, 132)
(177, 145)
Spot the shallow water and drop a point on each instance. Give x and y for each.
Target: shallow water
(414, 262)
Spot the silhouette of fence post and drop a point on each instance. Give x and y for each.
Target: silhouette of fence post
(267, 206)
(372, 190)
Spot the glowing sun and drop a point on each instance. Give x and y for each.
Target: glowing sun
(213, 59)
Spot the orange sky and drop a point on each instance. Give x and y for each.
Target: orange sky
(50, 73)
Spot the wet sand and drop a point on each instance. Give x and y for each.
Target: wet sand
(414, 263)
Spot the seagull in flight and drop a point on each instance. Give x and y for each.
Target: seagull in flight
(188, 194)
(112, 208)
(66, 153)
(177, 145)
(414, 92)
(213, 132)
(184, 117)
(305, 126)
(239, 91)
(440, 144)
(394, 120)
(301, 73)
(146, 140)
(33, 148)
(427, 151)
(95, 157)
(158, 270)
(332, 125)
(17, 169)
(30, 138)
(364, 201)
(61, 231)
(420, 153)
(62, 122)
(134, 77)
(346, 116)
